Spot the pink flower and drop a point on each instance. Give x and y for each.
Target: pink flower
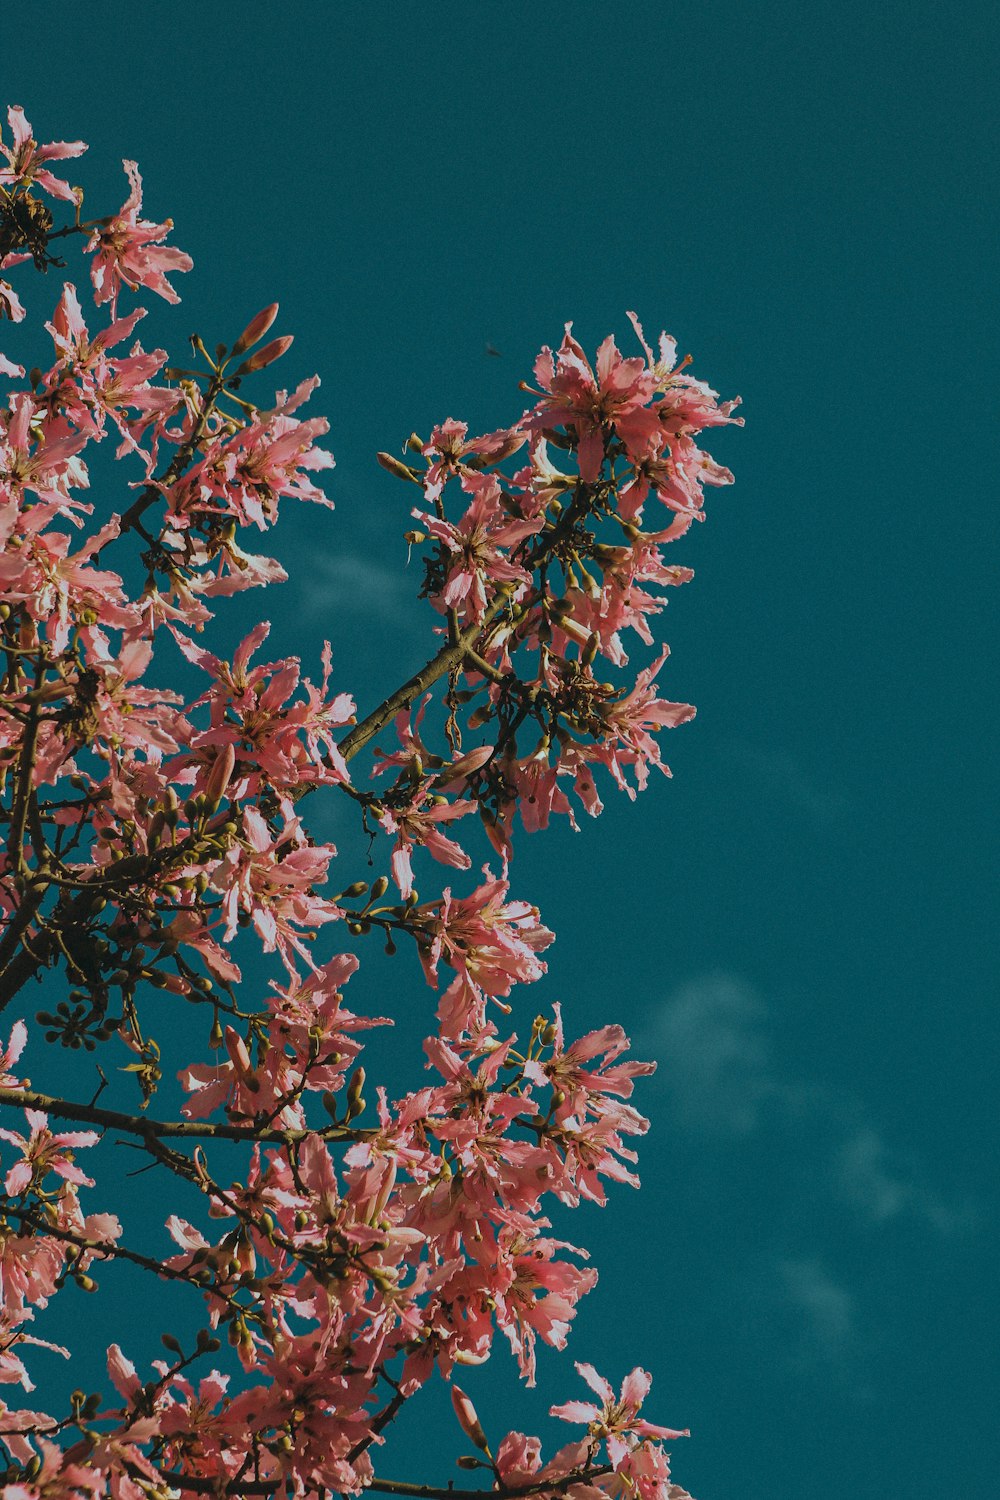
(582, 1080)
(449, 445)
(633, 720)
(247, 474)
(518, 1459)
(490, 943)
(44, 1152)
(617, 1419)
(536, 1294)
(538, 794)
(10, 303)
(473, 556)
(29, 1269)
(418, 825)
(594, 406)
(271, 878)
(40, 456)
(25, 158)
(11, 1053)
(127, 250)
(287, 743)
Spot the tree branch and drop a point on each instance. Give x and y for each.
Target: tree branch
(114, 1119)
(450, 655)
(462, 647)
(197, 1485)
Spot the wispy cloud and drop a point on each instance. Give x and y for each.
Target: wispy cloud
(714, 1055)
(882, 1187)
(346, 583)
(778, 773)
(723, 1076)
(824, 1312)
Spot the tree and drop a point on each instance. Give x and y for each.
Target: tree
(369, 1244)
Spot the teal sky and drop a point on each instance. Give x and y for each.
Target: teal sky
(800, 926)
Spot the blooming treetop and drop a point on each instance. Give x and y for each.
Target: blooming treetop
(370, 1243)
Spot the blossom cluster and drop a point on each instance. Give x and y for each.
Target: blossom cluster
(371, 1244)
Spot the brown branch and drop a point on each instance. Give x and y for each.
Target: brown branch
(132, 871)
(197, 1485)
(114, 1119)
(22, 796)
(450, 655)
(462, 647)
(21, 920)
(22, 966)
(503, 1492)
(379, 1422)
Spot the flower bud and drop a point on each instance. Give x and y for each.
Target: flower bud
(468, 1419)
(266, 356)
(355, 1088)
(219, 777)
(239, 1056)
(467, 764)
(256, 328)
(396, 467)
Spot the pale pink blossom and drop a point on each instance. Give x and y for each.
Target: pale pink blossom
(128, 252)
(45, 1151)
(25, 158)
(477, 549)
(418, 825)
(594, 405)
(617, 1419)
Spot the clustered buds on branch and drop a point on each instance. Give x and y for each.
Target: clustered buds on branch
(370, 1243)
